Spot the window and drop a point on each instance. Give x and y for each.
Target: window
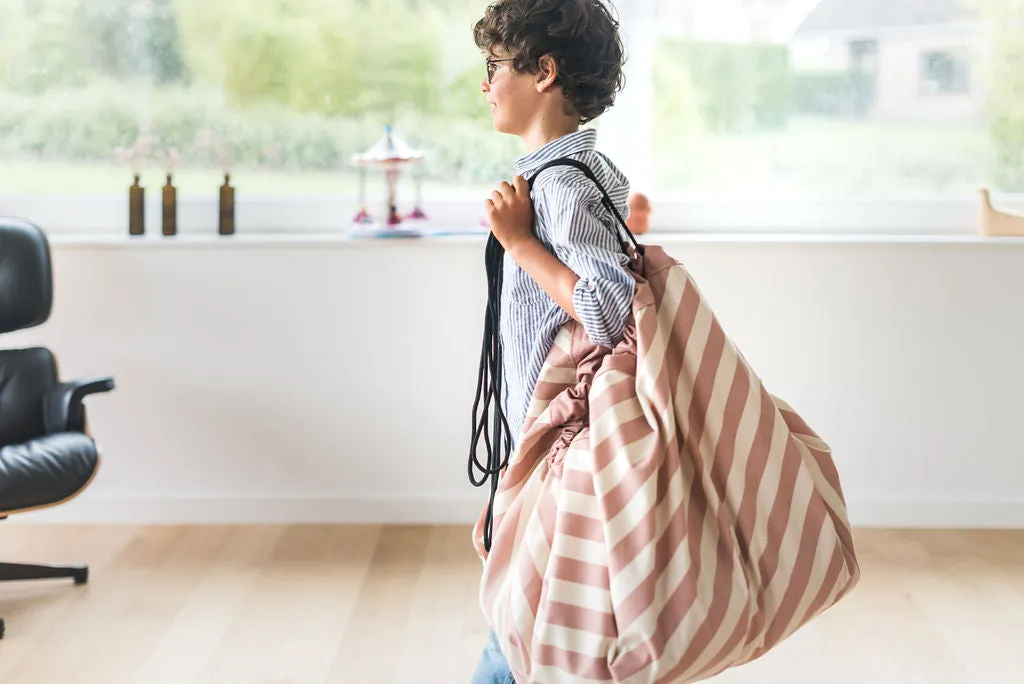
(282, 93)
(738, 114)
(945, 72)
(776, 102)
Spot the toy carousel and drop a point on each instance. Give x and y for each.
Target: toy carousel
(391, 155)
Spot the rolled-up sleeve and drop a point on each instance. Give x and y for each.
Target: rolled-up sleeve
(584, 241)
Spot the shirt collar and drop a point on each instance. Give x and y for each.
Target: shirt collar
(571, 143)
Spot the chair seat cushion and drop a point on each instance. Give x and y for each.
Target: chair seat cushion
(45, 471)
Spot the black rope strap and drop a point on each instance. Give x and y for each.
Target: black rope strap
(489, 421)
(498, 439)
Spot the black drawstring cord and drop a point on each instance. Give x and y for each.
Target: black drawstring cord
(498, 441)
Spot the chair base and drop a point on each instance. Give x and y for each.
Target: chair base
(15, 572)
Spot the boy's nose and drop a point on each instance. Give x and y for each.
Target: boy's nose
(485, 87)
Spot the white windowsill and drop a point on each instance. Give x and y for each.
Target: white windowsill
(324, 221)
(476, 241)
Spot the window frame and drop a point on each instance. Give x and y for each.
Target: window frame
(108, 215)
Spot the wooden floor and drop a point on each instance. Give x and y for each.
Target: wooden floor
(368, 605)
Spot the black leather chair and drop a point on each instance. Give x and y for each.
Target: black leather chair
(46, 454)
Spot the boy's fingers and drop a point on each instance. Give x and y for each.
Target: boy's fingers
(522, 187)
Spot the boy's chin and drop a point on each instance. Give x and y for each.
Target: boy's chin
(502, 126)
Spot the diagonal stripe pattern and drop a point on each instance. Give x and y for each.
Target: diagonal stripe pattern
(664, 517)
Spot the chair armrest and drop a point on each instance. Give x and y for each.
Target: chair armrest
(62, 406)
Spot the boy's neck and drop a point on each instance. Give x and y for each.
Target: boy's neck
(546, 131)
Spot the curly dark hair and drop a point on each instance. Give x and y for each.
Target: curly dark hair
(581, 36)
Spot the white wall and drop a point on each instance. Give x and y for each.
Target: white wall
(332, 380)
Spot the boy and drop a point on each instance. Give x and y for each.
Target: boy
(552, 65)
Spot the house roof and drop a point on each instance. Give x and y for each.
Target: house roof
(772, 20)
(845, 15)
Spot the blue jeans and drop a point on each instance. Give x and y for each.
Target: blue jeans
(493, 668)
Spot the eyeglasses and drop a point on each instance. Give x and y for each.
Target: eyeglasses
(492, 67)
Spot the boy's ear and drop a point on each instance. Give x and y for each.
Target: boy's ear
(547, 73)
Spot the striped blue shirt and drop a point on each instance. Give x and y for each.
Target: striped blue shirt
(577, 228)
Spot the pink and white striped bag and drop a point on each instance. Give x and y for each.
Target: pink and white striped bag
(664, 517)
